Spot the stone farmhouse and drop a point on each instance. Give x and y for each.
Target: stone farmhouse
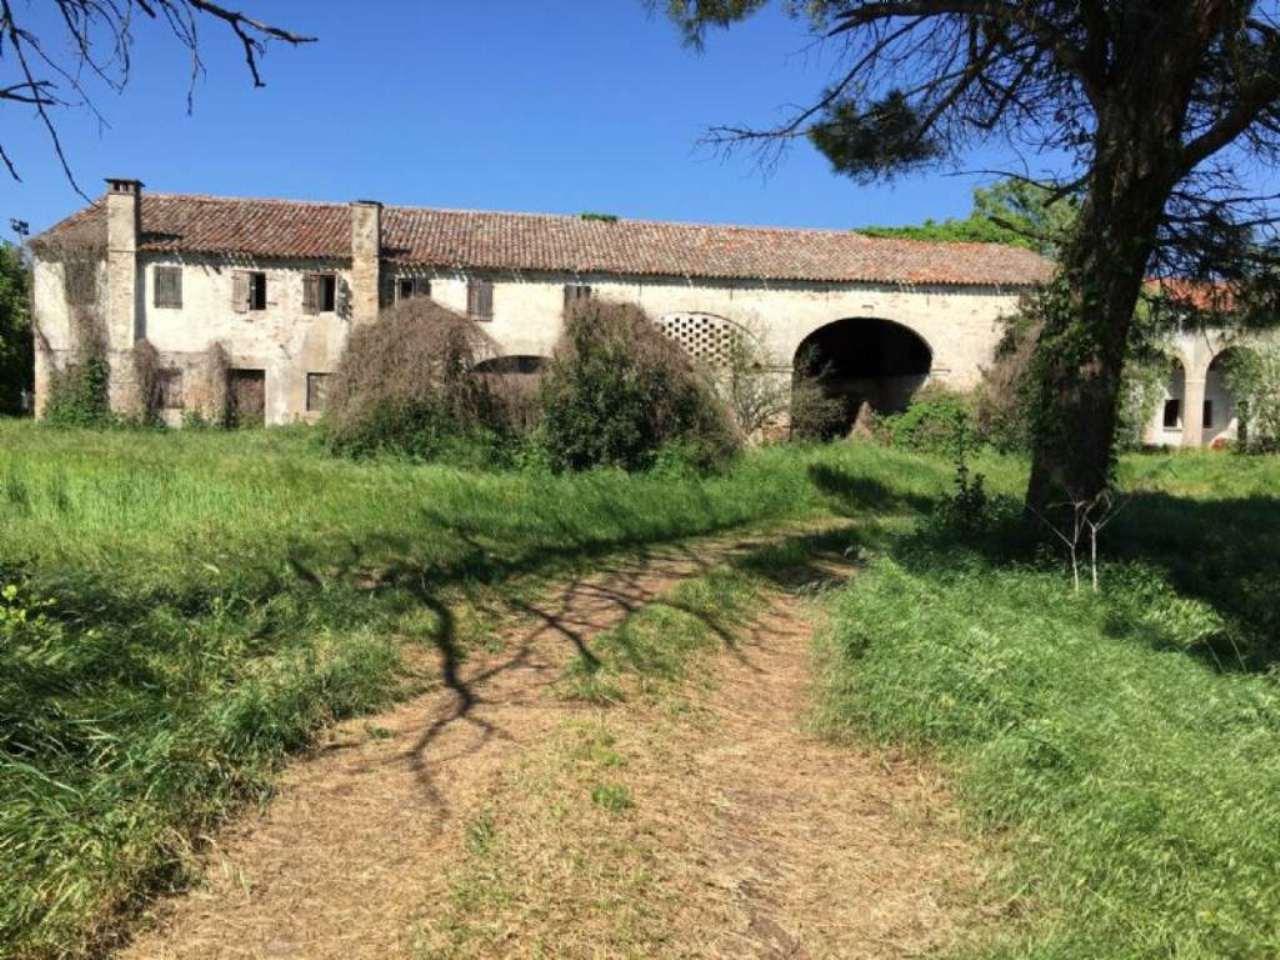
(280, 284)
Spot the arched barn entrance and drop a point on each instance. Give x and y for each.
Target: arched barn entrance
(865, 360)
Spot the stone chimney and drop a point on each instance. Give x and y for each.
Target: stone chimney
(124, 220)
(366, 262)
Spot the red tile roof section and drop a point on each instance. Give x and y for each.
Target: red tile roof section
(541, 242)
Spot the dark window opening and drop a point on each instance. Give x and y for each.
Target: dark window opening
(575, 292)
(249, 291)
(317, 392)
(409, 287)
(257, 291)
(169, 387)
(480, 299)
(168, 287)
(1208, 413)
(319, 293)
(1172, 413)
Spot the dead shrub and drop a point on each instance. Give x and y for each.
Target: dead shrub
(1002, 401)
(815, 413)
(618, 391)
(208, 399)
(146, 383)
(407, 385)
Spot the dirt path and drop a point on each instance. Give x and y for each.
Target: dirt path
(494, 818)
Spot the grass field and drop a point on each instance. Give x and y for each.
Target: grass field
(185, 609)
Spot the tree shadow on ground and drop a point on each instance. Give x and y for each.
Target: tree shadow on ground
(853, 495)
(1223, 552)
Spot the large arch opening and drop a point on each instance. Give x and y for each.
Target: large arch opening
(863, 360)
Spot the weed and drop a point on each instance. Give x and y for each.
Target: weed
(613, 797)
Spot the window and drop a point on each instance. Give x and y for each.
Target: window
(169, 387)
(317, 392)
(409, 287)
(80, 280)
(573, 292)
(319, 293)
(1172, 413)
(1208, 413)
(250, 291)
(168, 287)
(480, 299)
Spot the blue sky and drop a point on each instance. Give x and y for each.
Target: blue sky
(557, 106)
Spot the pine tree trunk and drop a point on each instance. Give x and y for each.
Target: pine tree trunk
(1088, 313)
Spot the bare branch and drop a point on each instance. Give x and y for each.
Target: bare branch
(46, 80)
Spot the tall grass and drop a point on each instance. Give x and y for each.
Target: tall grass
(1132, 777)
(189, 607)
(184, 609)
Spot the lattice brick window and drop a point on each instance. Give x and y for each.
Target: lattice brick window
(704, 336)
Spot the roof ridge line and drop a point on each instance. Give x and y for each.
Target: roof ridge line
(579, 217)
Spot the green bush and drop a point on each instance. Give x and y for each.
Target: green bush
(618, 390)
(1253, 376)
(407, 385)
(937, 420)
(79, 394)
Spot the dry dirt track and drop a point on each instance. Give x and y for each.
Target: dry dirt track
(461, 823)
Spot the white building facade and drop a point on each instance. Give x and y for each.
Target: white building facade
(277, 286)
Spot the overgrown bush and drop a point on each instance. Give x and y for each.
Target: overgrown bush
(80, 391)
(146, 383)
(407, 385)
(16, 347)
(937, 420)
(1004, 402)
(1253, 377)
(618, 390)
(815, 413)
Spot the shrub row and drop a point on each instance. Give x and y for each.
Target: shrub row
(616, 392)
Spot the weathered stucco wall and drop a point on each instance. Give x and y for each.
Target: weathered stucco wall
(960, 325)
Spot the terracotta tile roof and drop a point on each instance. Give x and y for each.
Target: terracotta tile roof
(1203, 296)
(521, 241)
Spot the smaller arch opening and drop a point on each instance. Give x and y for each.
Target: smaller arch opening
(516, 364)
(1221, 408)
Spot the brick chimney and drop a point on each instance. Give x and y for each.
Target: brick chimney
(124, 219)
(366, 263)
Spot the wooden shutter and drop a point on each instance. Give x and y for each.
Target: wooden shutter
(311, 293)
(480, 299)
(421, 287)
(240, 292)
(168, 287)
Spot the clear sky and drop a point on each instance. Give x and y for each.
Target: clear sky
(554, 105)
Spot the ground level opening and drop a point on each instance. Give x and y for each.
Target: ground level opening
(865, 361)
